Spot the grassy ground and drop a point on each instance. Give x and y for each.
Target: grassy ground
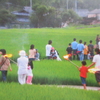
(14, 91)
(47, 71)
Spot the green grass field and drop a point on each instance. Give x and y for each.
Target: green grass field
(47, 72)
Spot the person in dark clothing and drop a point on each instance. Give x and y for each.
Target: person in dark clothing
(91, 49)
(69, 50)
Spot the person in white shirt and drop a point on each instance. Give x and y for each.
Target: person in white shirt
(22, 62)
(99, 44)
(96, 62)
(48, 49)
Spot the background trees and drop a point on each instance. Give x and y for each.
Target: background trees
(6, 17)
(48, 13)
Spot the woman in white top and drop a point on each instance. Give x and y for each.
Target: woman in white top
(22, 62)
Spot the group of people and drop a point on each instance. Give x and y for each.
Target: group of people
(25, 62)
(51, 52)
(84, 70)
(80, 51)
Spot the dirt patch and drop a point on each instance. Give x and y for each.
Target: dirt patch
(80, 87)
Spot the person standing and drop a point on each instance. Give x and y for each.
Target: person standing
(22, 62)
(69, 50)
(97, 40)
(29, 75)
(48, 49)
(32, 53)
(83, 73)
(91, 49)
(74, 48)
(96, 62)
(80, 50)
(85, 51)
(5, 64)
(99, 44)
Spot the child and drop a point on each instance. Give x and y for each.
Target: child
(30, 75)
(69, 50)
(83, 73)
(53, 53)
(22, 62)
(37, 56)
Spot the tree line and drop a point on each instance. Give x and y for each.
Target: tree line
(47, 13)
(81, 4)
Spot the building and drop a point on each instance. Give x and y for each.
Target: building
(94, 14)
(23, 17)
(82, 12)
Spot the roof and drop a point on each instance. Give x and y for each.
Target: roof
(22, 13)
(82, 12)
(96, 11)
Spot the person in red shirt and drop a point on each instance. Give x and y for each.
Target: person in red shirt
(83, 73)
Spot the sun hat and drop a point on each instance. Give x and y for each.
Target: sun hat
(22, 53)
(52, 48)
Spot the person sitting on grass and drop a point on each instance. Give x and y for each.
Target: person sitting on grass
(37, 55)
(53, 53)
(83, 73)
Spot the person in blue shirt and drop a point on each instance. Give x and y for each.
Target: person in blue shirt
(80, 49)
(74, 48)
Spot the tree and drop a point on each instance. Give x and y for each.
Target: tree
(70, 15)
(41, 11)
(6, 17)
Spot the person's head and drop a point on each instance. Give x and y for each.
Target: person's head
(69, 44)
(97, 51)
(83, 62)
(90, 41)
(80, 41)
(32, 46)
(84, 43)
(74, 39)
(50, 42)
(22, 53)
(97, 35)
(36, 50)
(52, 48)
(2, 51)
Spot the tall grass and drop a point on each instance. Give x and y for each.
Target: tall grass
(47, 71)
(14, 91)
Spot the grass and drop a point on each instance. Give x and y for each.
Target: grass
(47, 72)
(14, 91)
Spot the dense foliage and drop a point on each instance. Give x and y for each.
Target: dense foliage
(82, 4)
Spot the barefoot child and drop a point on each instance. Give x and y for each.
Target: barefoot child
(83, 73)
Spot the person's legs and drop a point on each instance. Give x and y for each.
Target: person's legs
(83, 82)
(97, 76)
(81, 55)
(22, 78)
(29, 80)
(4, 76)
(84, 86)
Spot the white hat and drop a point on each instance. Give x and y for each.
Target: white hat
(22, 53)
